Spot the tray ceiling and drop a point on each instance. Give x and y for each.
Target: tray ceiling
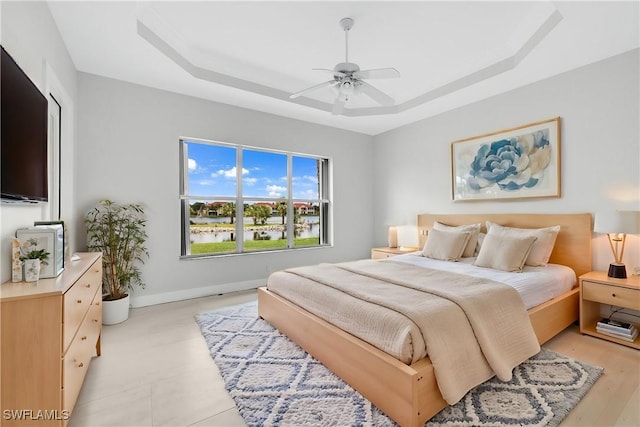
(255, 54)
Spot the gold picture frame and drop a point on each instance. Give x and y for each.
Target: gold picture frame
(517, 163)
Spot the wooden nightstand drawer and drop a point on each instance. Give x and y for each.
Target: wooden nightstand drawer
(613, 295)
(382, 253)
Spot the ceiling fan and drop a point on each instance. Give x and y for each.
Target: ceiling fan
(349, 79)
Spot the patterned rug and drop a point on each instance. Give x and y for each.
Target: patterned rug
(275, 383)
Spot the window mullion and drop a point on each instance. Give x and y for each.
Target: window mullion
(239, 203)
(290, 208)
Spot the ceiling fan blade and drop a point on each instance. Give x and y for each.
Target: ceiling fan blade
(376, 94)
(335, 73)
(338, 106)
(379, 73)
(312, 88)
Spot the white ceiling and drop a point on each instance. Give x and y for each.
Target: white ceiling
(255, 54)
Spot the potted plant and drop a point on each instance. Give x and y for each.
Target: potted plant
(32, 258)
(118, 231)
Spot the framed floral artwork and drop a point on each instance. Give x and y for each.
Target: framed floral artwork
(517, 163)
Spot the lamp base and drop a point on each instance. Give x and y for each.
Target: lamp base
(617, 271)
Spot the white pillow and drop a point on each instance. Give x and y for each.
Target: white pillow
(543, 246)
(504, 253)
(445, 245)
(474, 229)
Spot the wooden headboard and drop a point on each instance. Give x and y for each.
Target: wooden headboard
(573, 245)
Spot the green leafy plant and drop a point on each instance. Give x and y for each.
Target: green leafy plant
(119, 232)
(29, 250)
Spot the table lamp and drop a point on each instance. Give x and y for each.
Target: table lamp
(616, 225)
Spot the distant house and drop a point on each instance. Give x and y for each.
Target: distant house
(304, 208)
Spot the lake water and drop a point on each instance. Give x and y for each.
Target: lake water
(312, 229)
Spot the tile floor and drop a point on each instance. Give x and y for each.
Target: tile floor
(155, 370)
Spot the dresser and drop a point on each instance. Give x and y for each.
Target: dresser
(50, 330)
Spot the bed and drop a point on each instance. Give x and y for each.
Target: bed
(409, 393)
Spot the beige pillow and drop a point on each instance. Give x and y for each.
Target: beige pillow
(542, 248)
(474, 229)
(479, 245)
(504, 253)
(445, 245)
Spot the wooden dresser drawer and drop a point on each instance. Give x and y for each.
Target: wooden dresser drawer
(82, 349)
(612, 295)
(77, 301)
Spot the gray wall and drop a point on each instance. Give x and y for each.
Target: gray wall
(128, 151)
(599, 107)
(31, 37)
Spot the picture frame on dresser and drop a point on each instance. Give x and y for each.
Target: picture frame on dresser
(517, 163)
(51, 239)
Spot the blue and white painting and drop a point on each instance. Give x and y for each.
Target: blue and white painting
(521, 162)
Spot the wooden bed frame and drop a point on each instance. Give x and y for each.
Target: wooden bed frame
(409, 394)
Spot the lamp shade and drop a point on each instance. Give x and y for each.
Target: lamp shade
(627, 222)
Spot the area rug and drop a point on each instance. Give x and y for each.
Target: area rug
(275, 383)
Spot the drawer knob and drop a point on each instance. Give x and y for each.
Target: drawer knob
(613, 295)
(79, 301)
(95, 320)
(80, 365)
(88, 285)
(83, 338)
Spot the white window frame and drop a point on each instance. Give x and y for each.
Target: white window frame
(324, 200)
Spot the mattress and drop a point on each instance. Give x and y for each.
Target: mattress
(535, 285)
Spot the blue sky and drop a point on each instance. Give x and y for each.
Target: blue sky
(212, 172)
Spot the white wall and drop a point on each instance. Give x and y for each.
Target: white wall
(128, 151)
(31, 37)
(599, 107)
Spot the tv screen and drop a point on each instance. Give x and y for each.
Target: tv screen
(23, 123)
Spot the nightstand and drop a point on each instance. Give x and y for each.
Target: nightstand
(380, 253)
(597, 288)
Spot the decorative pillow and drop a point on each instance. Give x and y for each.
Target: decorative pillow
(542, 248)
(481, 237)
(504, 253)
(445, 245)
(474, 229)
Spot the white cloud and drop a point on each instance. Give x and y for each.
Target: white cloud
(250, 181)
(306, 194)
(229, 173)
(191, 164)
(276, 190)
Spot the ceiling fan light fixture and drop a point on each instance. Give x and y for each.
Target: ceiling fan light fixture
(348, 79)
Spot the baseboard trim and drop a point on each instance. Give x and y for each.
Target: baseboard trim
(165, 297)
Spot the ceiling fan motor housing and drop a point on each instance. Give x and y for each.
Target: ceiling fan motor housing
(346, 68)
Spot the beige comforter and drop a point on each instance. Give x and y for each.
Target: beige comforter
(472, 328)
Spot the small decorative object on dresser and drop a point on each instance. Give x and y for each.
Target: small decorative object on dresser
(50, 240)
(596, 289)
(32, 259)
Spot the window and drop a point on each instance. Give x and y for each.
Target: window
(239, 199)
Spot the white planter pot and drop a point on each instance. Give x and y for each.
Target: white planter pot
(31, 270)
(114, 312)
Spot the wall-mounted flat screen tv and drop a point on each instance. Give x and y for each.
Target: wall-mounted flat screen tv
(23, 119)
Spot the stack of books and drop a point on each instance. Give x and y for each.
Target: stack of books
(621, 330)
